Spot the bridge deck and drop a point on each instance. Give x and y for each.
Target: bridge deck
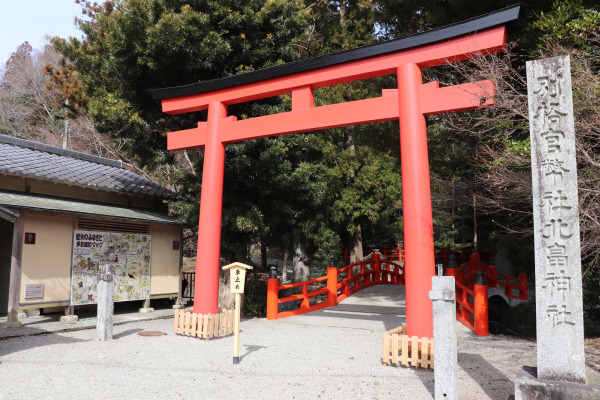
(379, 307)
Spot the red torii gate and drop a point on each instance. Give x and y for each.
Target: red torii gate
(409, 103)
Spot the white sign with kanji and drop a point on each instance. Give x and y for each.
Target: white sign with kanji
(237, 276)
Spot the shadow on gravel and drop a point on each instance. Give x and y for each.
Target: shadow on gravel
(251, 349)
(389, 320)
(489, 378)
(426, 378)
(16, 344)
(127, 333)
(385, 305)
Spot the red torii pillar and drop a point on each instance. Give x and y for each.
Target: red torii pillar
(416, 201)
(409, 103)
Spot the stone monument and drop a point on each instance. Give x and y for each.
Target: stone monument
(106, 302)
(559, 304)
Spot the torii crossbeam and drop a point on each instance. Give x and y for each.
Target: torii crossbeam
(409, 103)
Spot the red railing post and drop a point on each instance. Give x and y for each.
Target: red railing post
(348, 279)
(272, 294)
(523, 286)
(377, 267)
(452, 268)
(365, 277)
(464, 312)
(480, 291)
(332, 282)
(305, 300)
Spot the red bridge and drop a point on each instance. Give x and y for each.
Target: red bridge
(473, 279)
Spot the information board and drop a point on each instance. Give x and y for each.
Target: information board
(34, 291)
(127, 254)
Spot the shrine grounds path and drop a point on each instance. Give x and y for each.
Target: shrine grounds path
(334, 353)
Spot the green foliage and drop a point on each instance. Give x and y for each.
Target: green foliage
(372, 189)
(255, 295)
(133, 46)
(568, 22)
(317, 186)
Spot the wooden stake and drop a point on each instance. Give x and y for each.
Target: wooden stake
(236, 330)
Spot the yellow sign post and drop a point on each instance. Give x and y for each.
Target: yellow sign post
(237, 278)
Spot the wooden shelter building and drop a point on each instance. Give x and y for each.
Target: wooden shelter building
(64, 215)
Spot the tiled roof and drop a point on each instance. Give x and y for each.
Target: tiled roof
(78, 207)
(30, 159)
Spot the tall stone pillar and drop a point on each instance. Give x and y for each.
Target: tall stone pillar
(559, 305)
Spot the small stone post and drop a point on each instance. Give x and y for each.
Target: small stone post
(106, 304)
(444, 337)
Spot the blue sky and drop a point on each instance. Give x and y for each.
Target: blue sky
(31, 20)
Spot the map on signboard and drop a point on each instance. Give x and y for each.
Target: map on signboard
(127, 254)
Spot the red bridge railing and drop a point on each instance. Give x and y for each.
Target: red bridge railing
(332, 288)
(515, 288)
(472, 281)
(472, 307)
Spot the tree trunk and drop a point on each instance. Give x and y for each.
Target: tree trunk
(284, 270)
(263, 255)
(300, 269)
(356, 251)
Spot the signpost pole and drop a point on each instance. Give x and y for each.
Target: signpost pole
(237, 279)
(236, 330)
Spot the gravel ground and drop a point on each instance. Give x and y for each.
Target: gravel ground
(329, 354)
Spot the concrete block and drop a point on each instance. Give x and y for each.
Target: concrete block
(69, 319)
(529, 387)
(146, 310)
(21, 315)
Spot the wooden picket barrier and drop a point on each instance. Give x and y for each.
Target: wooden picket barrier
(399, 348)
(205, 326)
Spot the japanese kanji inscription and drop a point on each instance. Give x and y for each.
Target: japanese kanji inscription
(559, 306)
